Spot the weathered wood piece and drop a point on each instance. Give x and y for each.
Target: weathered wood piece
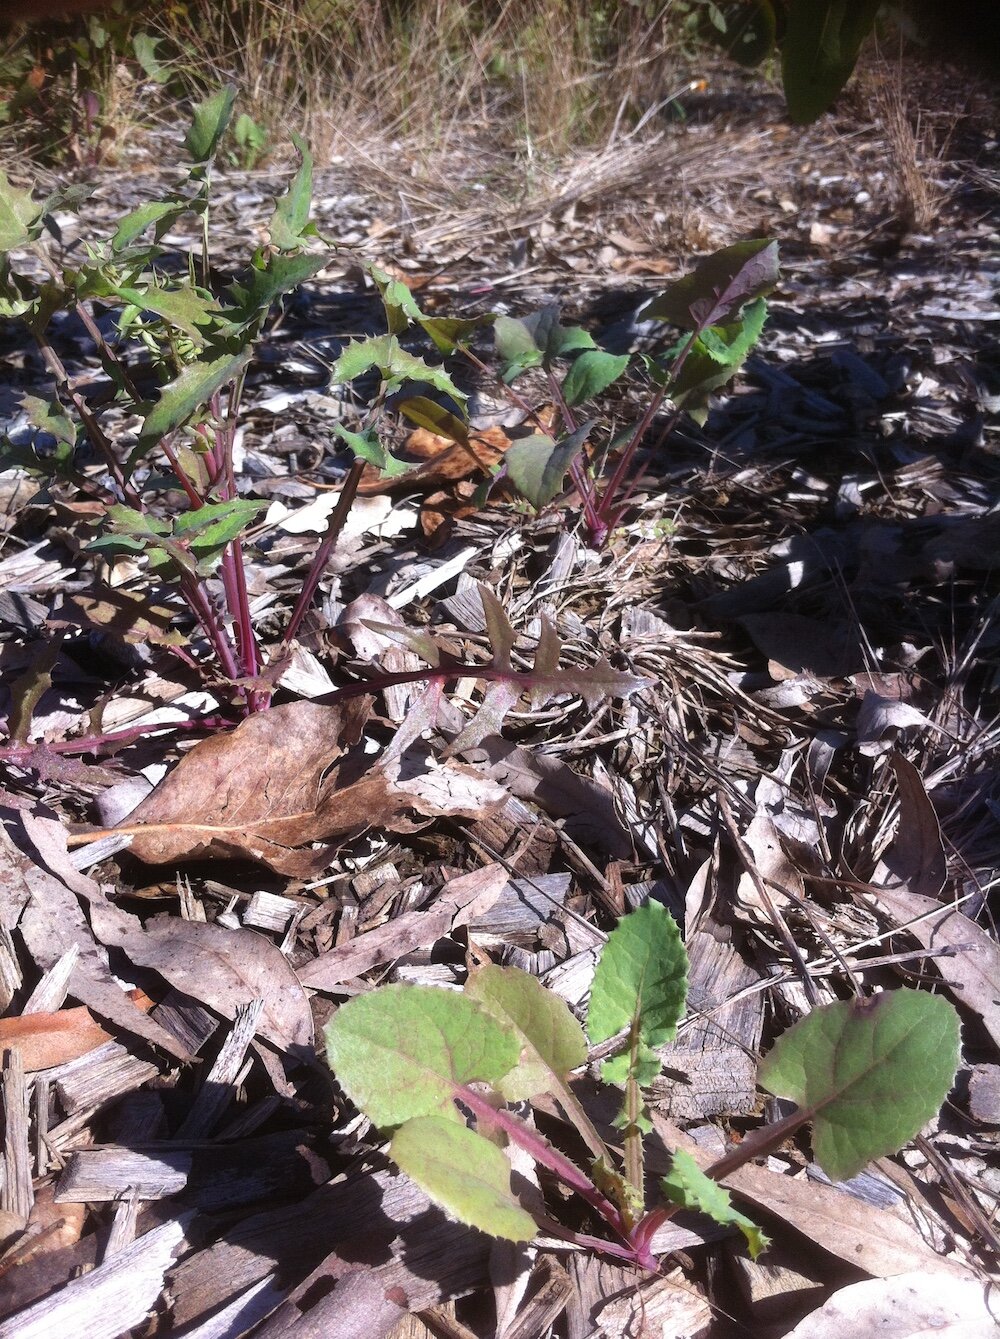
(218, 1087)
(110, 1300)
(16, 1194)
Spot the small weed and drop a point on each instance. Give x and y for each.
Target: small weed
(415, 1059)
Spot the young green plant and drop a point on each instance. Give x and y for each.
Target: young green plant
(439, 1071)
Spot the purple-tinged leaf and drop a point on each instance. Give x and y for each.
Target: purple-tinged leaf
(719, 287)
(869, 1073)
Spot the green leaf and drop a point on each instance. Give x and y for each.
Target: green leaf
(183, 307)
(687, 1185)
(552, 1041)
(448, 332)
(820, 49)
(367, 446)
(400, 305)
(162, 212)
(432, 416)
(399, 1052)
(291, 214)
(50, 417)
(464, 1173)
(593, 372)
(536, 339)
(715, 359)
(207, 530)
(516, 347)
(208, 124)
(18, 215)
(719, 286)
(537, 465)
(144, 45)
(870, 1073)
(394, 364)
(182, 398)
(265, 284)
(641, 981)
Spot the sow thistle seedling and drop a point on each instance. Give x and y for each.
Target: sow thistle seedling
(866, 1074)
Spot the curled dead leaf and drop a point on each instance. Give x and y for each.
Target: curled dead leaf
(290, 777)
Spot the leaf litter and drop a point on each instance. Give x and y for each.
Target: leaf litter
(804, 606)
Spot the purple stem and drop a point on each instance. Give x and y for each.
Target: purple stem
(543, 1152)
(16, 754)
(333, 528)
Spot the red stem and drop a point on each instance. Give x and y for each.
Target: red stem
(334, 527)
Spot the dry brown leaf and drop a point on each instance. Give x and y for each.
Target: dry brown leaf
(910, 1306)
(51, 1039)
(773, 867)
(50, 921)
(916, 858)
(268, 789)
(460, 901)
(443, 461)
(225, 969)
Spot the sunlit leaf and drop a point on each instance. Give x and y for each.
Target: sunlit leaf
(209, 121)
(552, 1040)
(593, 372)
(719, 286)
(182, 398)
(399, 1052)
(291, 214)
(18, 214)
(640, 982)
(465, 1174)
(687, 1185)
(870, 1073)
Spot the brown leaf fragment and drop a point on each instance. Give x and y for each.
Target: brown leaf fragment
(50, 921)
(268, 789)
(225, 969)
(915, 858)
(460, 901)
(795, 644)
(51, 1039)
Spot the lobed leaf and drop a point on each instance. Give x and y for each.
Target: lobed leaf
(18, 215)
(208, 124)
(870, 1073)
(687, 1185)
(400, 1051)
(640, 982)
(163, 213)
(465, 1174)
(291, 213)
(181, 399)
(395, 365)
